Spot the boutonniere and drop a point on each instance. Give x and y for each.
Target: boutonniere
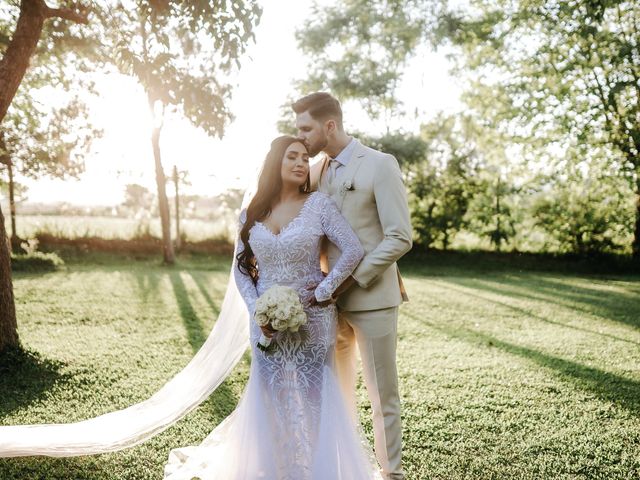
(346, 187)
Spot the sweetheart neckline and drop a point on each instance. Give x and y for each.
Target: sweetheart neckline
(288, 224)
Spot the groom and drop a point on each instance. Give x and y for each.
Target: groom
(367, 187)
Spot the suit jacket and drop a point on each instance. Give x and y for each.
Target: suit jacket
(370, 194)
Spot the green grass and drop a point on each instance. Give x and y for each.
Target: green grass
(505, 373)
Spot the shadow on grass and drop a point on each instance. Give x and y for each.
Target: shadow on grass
(148, 285)
(195, 332)
(24, 377)
(619, 307)
(616, 306)
(223, 400)
(607, 386)
(199, 281)
(508, 289)
(26, 372)
(37, 468)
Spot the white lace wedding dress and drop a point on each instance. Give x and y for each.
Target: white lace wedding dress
(291, 422)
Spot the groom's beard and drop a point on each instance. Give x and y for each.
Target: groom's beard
(317, 147)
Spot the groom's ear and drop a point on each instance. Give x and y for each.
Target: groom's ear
(331, 126)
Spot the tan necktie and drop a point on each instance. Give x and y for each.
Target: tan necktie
(331, 171)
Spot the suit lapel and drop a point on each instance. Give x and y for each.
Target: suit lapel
(338, 187)
(341, 185)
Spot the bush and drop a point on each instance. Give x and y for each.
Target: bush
(592, 216)
(35, 262)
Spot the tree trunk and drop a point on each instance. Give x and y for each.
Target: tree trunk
(163, 203)
(13, 66)
(15, 61)
(175, 182)
(498, 226)
(635, 247)
(15, 241)
(8, 323)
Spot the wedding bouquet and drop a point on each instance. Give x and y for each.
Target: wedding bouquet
(279, 307)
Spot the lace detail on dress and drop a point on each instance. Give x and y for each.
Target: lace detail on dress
(293, 374)
(291, 257)
(338, 230)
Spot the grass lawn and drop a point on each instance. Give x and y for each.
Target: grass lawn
(505, 374)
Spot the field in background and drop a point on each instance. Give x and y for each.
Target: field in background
(73, 227)
(505, 373)
(222, 226)
(194, 230)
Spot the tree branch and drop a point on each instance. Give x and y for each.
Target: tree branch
(79, 16)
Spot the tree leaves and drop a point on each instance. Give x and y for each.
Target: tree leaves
(357, 48)
(48, 143)
(152, 41)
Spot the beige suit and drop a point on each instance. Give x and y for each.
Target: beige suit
(370, 194)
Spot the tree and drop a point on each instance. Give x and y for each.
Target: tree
(173, 48)
(440, 169)
(180, 53)
(137, 197)
(560, 78)
(409, 150)
(565, 75)
(359, 47)
(581, 211)
(178, 178)
(13, 66)
(491, 214)
(504, 185)
(442, 188)
(36, 143)
(18, 192)
(231, 199)
(5, 159)
(28, 29)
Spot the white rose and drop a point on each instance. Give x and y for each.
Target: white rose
(279, 325)
(261, 319)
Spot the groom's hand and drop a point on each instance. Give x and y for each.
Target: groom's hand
(344, 286)
(324, 303)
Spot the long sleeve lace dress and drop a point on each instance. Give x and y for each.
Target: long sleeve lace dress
(291, 422)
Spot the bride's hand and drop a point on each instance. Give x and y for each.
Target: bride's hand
(267, 331)
(307, 295)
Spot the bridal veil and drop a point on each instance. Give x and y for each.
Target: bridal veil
(120, 429)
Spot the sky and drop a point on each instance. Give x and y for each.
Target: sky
(265, 81)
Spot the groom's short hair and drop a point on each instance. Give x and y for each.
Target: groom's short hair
(321, 106)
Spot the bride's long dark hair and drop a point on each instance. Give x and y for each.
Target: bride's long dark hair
(269, 186)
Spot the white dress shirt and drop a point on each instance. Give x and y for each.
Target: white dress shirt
(344, 157)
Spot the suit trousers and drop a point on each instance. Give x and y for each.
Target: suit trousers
(375, 332)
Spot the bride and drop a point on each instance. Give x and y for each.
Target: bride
(291, 422)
